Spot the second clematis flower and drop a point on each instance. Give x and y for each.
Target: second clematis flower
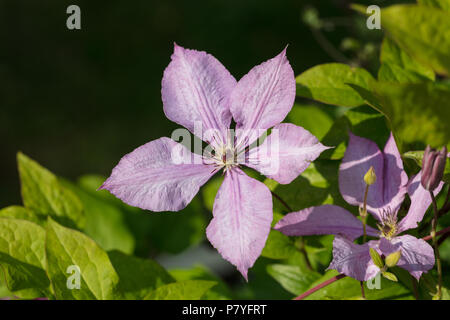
(163, 175)
(383, 201)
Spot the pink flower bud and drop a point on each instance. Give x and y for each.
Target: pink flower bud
(433, 165)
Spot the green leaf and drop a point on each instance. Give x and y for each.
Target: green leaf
(18, 212)
(398, 66)
(317, 185)
(362, 121)
(423, 32)
(44, 194)
(138, 277)
(319, 250)
(390, 276)
(4, 292)
(441, 4)
(170, 232)
(349, 288)
(22, 257)
(292, 278)
(173, 232)
(210, 190)
(416, 111)
(105, 222)
(69, 248)
(393, 73)
(311, 118)
(183, 290)
(278, 246)
(218, 292)
(328, 83)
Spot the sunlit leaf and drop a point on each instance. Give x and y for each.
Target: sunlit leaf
(138, 277)
(311, 118)
(422, 31)
(292, 278)
(22, 258)
(328, 83)
(183, 290)
(71, 253)
(218, 292)
(43, 193)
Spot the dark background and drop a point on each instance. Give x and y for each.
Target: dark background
(78, 100)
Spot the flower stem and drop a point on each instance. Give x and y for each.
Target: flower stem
(282, 201)
(443, 231)
(320, 286)
(446, 207)
(414, 285)
(435, 244)
(364, 221)
(302, 241)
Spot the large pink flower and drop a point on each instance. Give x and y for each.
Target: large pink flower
(197, 89)
(383, 201)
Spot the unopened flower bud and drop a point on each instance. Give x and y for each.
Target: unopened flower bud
(392, 259)
(376, 258)
(389, 276)
(433, 165)
(370, 177)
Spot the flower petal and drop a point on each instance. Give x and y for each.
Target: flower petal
(264, 96)
(390, 186)
(286, 153)
(395, 178)
(161, 175)
(420, 201)
(242, 218)
(326, 219)
(195, 90)
(353, 259)
(417, 256)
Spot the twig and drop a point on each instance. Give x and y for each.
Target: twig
(320, 286)
(282, 201)
(443, 231)
(435, 244)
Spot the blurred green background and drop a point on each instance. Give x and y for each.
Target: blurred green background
(78, 100)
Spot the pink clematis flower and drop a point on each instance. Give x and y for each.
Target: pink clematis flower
(198, 89)
(383, 201)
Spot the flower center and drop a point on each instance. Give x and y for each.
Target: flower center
(388, 226)
(226, 157)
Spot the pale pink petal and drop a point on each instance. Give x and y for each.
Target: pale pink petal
(161, 175)
(395, 178)
(196, 89)
(390, 187)
(326, 219)
(242, 218)
(417, 256)
(286, 153)
(264, 96)
(420, 201)
(353, 259)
